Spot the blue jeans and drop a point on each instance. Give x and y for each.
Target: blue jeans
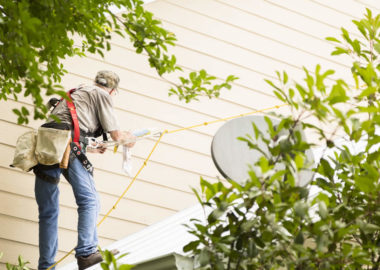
(87, 199)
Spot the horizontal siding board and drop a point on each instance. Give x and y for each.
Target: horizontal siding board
(25, 207)
(196, 60)
(128, 210)
(242, 40)
(320, 13)
(254, 23)
(243, 98)
(29, 235)
(145, 192)
(12, 249)
(155, 171)
(247, 76)
(290, 14)
(9, 116)
(205, 49)
(262, 61)
(24, 186)
(157, 88)
(20, 183)
(372, 4)
(187, 66)
(350, 8)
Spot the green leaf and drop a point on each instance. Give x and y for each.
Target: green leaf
(252, 249)
(207, 186)
(125, 267)
(337, 95)
(264, 164)
(368, 227)
(203, 73)
(365, 183)
(192, 246)
(197, 195)
(299, 238)
(322, 242)
(325, 169)
(277, 176)
(323, 212)
(24, 111)
(333, 39)
(285, 76)
(254, 179)
(223, 248)
(235, 184)
(299, 160)
(300, 208)
(104, 266)
(272, 84)
(204, 257)
(219, 265)
(339, 51)
(322, 197)
(376, 46)
(215, 215)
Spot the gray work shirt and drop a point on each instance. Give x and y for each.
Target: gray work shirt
(94, 108)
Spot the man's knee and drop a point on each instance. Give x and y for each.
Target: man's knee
(87, 199)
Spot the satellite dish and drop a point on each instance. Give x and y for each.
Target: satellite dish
(232, 157)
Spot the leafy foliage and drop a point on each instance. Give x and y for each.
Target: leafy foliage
(197, 85)
(272, 222)
(21, 264)
(111, 262)
(36, 35)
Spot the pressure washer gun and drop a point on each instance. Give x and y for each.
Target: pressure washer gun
(127, 154)
(143, 134)
(140, 134)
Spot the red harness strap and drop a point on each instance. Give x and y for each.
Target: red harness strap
(74, 117)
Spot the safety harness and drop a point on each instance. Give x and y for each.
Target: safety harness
(75, 144)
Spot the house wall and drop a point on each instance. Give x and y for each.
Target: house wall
(247, 38)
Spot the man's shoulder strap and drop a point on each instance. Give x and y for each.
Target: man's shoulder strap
(74, 117)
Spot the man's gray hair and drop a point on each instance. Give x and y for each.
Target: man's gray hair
(107, 78)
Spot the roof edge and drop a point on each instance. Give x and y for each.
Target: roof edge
(169, 261)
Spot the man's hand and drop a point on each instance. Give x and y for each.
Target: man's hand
(130, 138)
(99, 150)
(123, 137)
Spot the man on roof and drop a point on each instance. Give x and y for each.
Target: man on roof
(92, 105)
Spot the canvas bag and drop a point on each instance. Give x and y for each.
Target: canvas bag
(51, 145)
(24, 157)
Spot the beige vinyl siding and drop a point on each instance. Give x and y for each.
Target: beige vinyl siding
(372, 4)
(248, 38)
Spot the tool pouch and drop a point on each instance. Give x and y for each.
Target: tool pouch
(24, 157)
(51, 145)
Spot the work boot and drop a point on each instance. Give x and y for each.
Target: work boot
(92, 259)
